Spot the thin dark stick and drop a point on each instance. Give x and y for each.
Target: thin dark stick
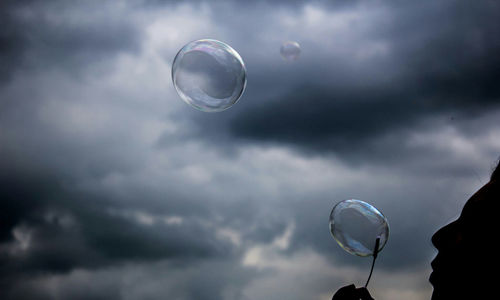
(375, 253)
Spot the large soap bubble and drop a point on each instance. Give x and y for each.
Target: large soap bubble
(356, 225)
(209, 75)
(290, 50)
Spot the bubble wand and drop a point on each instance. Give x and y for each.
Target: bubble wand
(375, 252)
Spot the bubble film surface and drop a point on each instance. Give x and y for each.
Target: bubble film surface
(355, 225)
(290, 50)
(209, 75)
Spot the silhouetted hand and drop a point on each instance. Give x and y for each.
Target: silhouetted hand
(350, 292)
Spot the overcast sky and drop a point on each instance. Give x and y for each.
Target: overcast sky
(111, 187)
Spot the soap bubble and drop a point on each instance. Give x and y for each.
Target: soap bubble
(356, 225)
(209, 75)
(290, 50)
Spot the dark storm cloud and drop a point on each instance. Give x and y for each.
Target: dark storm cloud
(442, 62)
(40, 204)
(85, 196)
(64, 231)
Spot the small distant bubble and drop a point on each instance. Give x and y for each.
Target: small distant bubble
(290, 50)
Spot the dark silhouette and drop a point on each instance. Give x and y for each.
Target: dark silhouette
(464, 267)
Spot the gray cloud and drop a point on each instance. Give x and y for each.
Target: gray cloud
(43, 36)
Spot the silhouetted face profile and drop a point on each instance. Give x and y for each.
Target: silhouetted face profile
(468, 248)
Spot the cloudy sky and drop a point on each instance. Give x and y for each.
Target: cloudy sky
(111, 187)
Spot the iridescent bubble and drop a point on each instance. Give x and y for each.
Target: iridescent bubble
(209, 75)
(356, 225)
(290, 50)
